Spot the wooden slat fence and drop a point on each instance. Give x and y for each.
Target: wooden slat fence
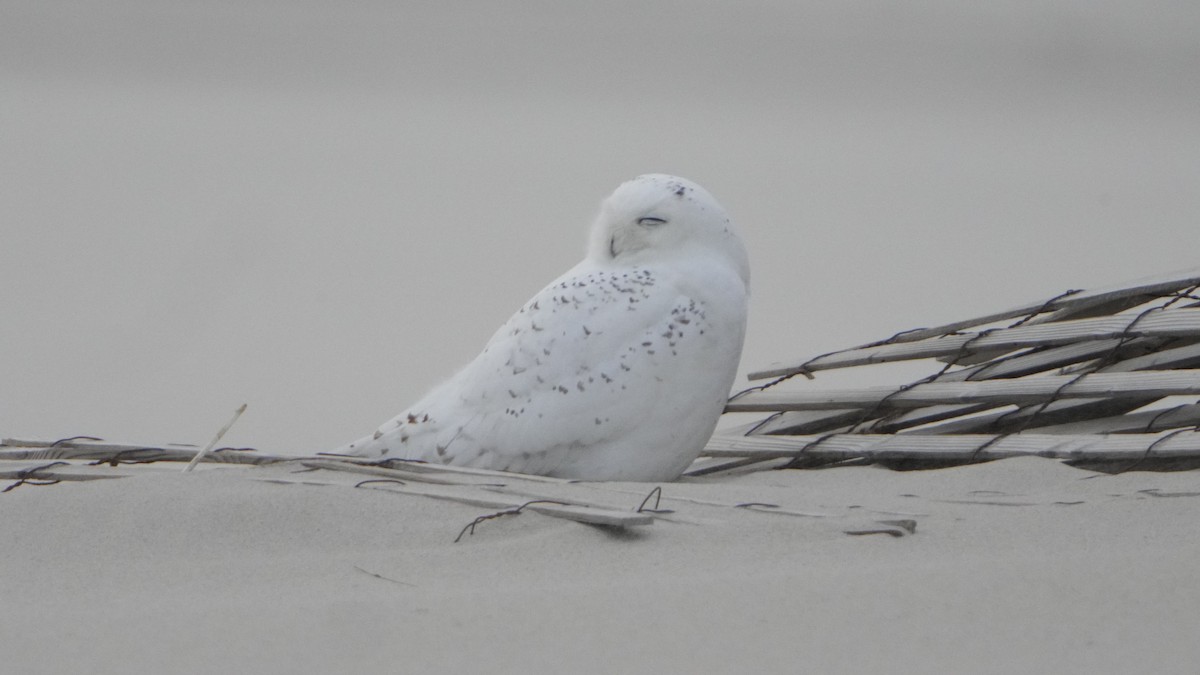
(1083, 376)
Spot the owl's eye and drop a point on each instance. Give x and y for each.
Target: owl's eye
(651, 220)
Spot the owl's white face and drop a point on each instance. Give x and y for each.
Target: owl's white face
(656, 216)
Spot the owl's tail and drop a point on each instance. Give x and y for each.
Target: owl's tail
(367, 446)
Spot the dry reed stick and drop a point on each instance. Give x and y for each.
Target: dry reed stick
(200, 455)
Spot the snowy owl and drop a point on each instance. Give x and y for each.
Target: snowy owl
(617, 370)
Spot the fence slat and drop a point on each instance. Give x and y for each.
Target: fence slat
(974, 447)
(1167, 323)
(1142, 384)
(1073, 302)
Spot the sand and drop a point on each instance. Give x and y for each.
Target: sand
(1023, 565)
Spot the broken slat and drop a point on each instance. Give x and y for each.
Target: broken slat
(55, 471)
(397, 474)
(576, 512)
(1148, 421)
(1054, 413)
(1166, 323)
(11, 448)
(1074, 301)
(1009, 419)
(1066, 305)
(961, 447)
(801, 422)
(1142, 384)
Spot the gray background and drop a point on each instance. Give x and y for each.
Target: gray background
(323, 208)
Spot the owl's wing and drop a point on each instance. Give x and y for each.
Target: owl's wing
(584, 361)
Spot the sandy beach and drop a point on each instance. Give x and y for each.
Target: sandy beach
(1022, 565)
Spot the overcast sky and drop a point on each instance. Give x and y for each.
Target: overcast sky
(323, 208)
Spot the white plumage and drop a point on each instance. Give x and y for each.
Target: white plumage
(617, 370)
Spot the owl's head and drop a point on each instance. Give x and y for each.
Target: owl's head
(656, 216)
